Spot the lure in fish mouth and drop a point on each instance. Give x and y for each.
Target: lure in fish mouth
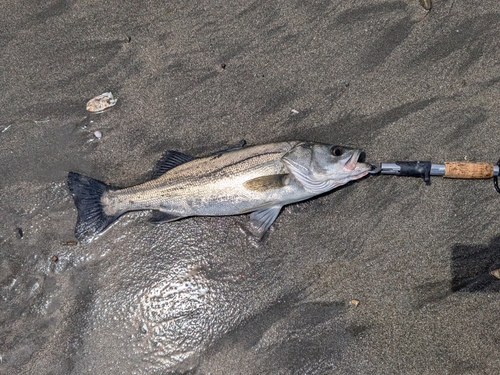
(258, 180)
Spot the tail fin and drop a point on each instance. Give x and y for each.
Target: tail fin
(87, 193)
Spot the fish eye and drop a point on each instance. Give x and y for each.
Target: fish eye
(337, 151)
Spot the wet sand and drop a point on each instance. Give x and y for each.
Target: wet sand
(199, 296)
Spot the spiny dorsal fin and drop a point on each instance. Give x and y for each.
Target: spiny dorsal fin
(170, 159)
(263, 183)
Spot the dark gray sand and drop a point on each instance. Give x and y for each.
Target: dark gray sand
(198, 296)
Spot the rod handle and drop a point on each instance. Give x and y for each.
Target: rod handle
(458, 169)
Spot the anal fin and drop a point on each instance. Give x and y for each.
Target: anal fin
(261, 220)
(159, 217)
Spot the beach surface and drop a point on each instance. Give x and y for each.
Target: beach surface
(383, 276)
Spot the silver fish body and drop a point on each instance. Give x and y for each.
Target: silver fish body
(259, 179)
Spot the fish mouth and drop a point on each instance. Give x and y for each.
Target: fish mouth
(351, 162)
(354, 167)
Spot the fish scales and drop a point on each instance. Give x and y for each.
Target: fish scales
(259, 180)
(215, 178)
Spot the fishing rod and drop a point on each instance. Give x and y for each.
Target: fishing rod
(426, 169)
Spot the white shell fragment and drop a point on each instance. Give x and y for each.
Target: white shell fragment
(354, 302)
(101, 102)
(426, 4)
(98, 134)
(495, 273)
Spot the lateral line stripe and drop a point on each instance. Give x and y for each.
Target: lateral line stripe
(238, 162)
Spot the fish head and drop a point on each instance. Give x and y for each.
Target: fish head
(321, 167)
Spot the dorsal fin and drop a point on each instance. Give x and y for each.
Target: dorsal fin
(231, 149)
(169, 159)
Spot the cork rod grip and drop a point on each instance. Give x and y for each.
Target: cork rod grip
(468, 170)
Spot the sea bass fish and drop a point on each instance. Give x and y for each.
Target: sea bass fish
(259, 180)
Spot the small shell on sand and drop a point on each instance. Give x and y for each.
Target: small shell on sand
(98, 134)
(495, 273)
(354, 302)
(426, 4)
(101, 102)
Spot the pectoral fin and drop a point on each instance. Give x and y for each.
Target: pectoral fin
(261, 220)
(264, 183)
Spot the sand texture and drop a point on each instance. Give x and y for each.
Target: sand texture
(199, 296)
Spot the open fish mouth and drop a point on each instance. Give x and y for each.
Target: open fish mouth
(352, 161)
